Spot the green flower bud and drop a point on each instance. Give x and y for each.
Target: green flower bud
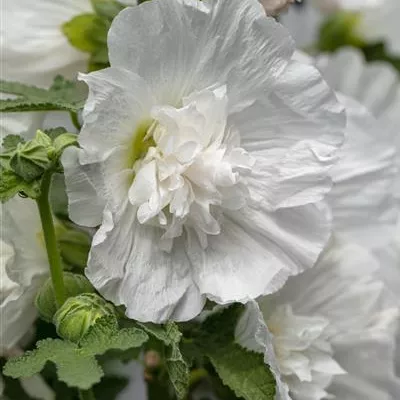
(79, 313)
(30, 160)
(45, 301)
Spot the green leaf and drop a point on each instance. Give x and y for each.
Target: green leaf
(244, 372)
(177, 367)
(107, 8)
(178, 371)
(78, 32)
(105, 335)
(9, 145)
(73, 367)
(11, 184)
(10, 142)
(74, 246)
(62, 95)
(169, 333)
(42, 139)
(61, 142)
(219, 328)
(77, 365)
(53, 133)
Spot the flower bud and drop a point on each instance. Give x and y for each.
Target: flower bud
(45, 300)
(30, 160)
(79, 313)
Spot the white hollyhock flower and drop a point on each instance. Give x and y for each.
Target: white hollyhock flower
(376, 85)
(366, 192)
(24, 266)
(204, 159)
(333, 329)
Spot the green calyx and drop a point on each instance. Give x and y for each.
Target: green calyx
(45, 300)
(341, 29)
(88, 32)
(79, 313)
(23, 163)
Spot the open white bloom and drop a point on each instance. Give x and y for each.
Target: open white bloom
(367, 187)
(376, 85)
(204, 159)
(23, 268)
(333, 329)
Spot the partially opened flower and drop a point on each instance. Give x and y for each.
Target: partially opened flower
(204, 159)
(333, 329)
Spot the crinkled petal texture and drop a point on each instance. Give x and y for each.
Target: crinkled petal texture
(23, 267)
(367, 184)
(205, 159)
(375, 85)
(33, 46)
(361, 320)
(362, 197)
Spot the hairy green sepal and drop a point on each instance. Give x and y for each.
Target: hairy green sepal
(23, 164)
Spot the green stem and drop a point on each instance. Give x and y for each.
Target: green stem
(53, 253)
(86, 395)
(75, 120)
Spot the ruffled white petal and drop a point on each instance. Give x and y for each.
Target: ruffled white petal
(85, 185)
(23, 267)
(376, 85)
(153, 285)
(118, 101)
(252, 333)
(362, 315)
(234, 44)
(21, 229)
(361, 199)
(293, 133)
(254, 243)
